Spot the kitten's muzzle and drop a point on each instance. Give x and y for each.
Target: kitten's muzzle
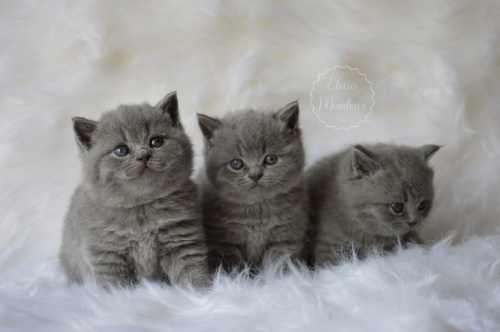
(143, 154)
(256, 177)
(255, 173)
(144, 158)
(412, 224)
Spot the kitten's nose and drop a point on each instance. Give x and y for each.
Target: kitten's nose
(412, 224)
(256, 177)
(143, 154)
(145, 158)
(255, 173)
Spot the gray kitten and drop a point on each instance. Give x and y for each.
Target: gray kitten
(369, 196)
(253, 192)
(136, 213)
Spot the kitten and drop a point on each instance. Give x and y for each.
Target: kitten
(136, 213)
(253, 192)
(369, 196)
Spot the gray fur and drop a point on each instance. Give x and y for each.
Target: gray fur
(351, 194)
(245, 220)
(125, 221)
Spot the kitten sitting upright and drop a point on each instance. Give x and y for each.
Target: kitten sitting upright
(254, 195)
(136, 212)
(369, 196)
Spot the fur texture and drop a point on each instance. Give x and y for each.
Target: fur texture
(369, 198)
(136, 213)
(434, 69)
(253, 191)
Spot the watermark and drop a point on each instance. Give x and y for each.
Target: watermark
(342, 97)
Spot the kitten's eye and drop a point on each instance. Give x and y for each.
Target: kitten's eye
(271, 159)
(156, 142)
(121, 151)
(422, 206)
(236, 163)
(397, 208)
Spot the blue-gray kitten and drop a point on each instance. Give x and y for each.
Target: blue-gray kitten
(254, 195)
(367, 197)
(136, 213)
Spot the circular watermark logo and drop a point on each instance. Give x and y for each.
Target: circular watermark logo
(342, 97)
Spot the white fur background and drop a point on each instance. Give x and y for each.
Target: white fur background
(435, 67)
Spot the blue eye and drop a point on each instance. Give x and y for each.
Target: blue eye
(271, 159)
(422, 206)
(156, 142)
(121, 151)
(397, 208)
(236, 163)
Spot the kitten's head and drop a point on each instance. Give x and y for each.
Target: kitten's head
(136, 153)
(390, 187)
(253, 155)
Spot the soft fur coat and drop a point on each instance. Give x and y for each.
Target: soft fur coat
(435, 71)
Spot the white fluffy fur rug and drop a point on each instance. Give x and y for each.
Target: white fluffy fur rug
(435, 68)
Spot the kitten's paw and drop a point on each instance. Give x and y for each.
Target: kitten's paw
(107, 282)
(202, 282)
(412, 237)
(196, 278)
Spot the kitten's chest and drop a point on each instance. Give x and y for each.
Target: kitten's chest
(144, 246)
(255, 225)
(148, 219)
(256, 239)
(144, 252)
(146, 223)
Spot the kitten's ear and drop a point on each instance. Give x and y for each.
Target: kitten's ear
(169, 105)
(428, 150)
(83, 130)
(208, 125)
(362, 162)
(289, 115)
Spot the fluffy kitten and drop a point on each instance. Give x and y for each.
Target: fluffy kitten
(369, 196)
(136, 212)
(254, 195)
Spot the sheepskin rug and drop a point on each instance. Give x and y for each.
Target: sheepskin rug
(435, 70)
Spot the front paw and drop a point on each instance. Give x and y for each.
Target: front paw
(200, 280)
(108, 281)
(412, 237)
(197, 278)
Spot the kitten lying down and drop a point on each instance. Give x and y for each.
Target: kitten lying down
(368, 196)
(136, 212)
